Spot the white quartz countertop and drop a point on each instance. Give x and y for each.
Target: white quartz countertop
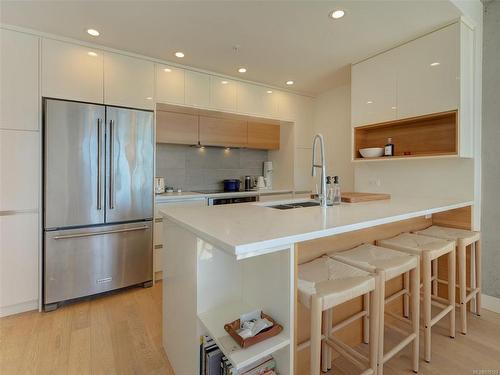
(166, 197)
(251, 229)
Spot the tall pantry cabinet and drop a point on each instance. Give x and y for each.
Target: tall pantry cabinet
(20, 171)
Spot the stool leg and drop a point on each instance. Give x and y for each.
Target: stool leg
(329, 350)
(324, 347)
(406, 297)
(472, 270)
(478, 277)
(452, 289)
(315, 354)
(426, 278)
(435, 274)
(375, 300)
(462, 287)
(415, 314)
(366, 319)
(381, 312)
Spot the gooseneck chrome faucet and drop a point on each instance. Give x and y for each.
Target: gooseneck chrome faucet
(323, 193)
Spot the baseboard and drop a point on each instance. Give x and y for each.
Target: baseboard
(490, 303)
(18, 308)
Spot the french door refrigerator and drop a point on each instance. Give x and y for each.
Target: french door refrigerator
(98, 199)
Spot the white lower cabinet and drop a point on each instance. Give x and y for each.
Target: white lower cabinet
(19, 274)
(159, 241)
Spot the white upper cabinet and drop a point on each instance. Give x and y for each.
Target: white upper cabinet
(429, 73)
(197, 89)
(256, 100)
(170, 84)
(128, 81)
(18, 81)
(223, 93)
(71, 71)
(373, 90)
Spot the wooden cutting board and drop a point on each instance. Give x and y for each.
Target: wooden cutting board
(363, 197)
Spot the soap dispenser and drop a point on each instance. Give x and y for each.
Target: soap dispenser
(335, 191)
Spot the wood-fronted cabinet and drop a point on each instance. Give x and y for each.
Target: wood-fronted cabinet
(176, 128)
(224, 132)
(263, 136)
(128, 81)
(71, 71)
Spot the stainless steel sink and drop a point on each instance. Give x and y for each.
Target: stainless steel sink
(289, 206)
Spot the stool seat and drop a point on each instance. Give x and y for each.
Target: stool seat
(333, 281)
(416, 244)
(452, 234)
(373, 258)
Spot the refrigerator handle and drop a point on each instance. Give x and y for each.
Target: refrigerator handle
(89, 234)
(99, 163)
(111, 166)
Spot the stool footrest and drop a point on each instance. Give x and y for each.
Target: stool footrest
(400, 318)
(391, 353)
(393, 296)
(355, 357)
(441, 314)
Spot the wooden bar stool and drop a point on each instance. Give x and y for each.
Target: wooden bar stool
(463, 238)
(324, 283)
(429, 249)
(389, 264)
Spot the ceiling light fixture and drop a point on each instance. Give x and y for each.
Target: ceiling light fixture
(369, 102)
(224, 82)
(289, 83)
(168, 70)
(149, 98)
(93, 32)
(179, 54)
(435, 63)
(336, 14)
(269, 91)
(91, 53)
(242, 70)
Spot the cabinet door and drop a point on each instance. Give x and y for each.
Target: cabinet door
(170, 87)
(223, 93)
(373, 89)
(19, 261)
(428, 73)
(197, 89)
(128, 82)
(466, 118)
(70, 71)
(178, 128)
(19, 166)
(263, 136)
(18, 78)
(223, 132)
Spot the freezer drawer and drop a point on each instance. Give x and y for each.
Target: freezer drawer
(88, 261)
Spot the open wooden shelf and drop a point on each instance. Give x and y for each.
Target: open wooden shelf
(214, 320)
(434, 135)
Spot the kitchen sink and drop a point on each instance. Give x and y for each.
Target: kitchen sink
(289, 206)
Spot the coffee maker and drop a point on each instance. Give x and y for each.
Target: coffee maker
(268, 174)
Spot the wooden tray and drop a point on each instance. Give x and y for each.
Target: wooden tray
(263, 335)
(363, 197)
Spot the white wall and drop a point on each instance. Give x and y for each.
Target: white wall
(332, 119)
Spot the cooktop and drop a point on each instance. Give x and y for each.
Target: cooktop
(216, 191)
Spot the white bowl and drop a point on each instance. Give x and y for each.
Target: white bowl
(372, 152)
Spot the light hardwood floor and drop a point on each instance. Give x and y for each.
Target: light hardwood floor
(121, 334)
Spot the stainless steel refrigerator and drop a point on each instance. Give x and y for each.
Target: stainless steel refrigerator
(98, 199)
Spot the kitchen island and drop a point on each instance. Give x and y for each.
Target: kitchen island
(222, 261)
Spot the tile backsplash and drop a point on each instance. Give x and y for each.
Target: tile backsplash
(191, 168)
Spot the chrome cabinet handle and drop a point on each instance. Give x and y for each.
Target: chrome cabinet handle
(111, 166)
(89, 234)
(99, 171)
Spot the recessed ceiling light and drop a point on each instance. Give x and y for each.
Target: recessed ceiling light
(336, 14)
(91, 53)
(369, 102)
(149, 98)
(179, 54)
(93, 32)
(168, 70)
(289, 83)
(242, 70)
(435, 63)
(393, 107)
(224, 82)
(269, 91)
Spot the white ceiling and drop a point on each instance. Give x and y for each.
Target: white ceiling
(279, 40)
